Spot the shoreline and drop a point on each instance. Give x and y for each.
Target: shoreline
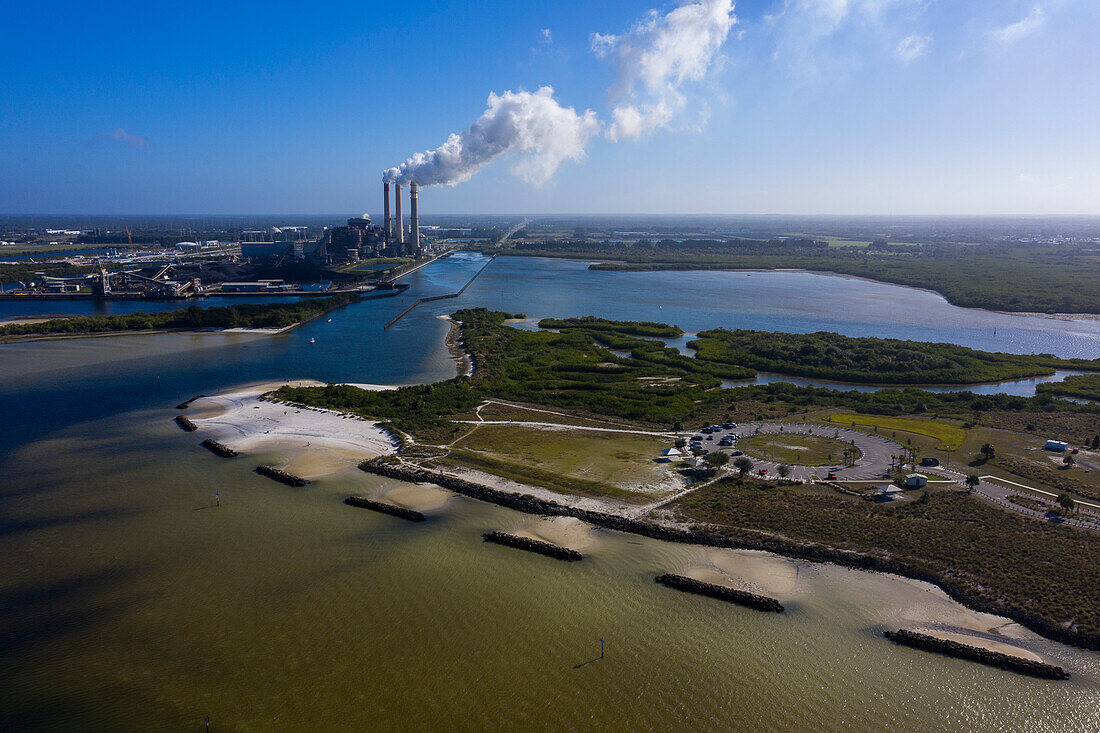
(312, 442)
(239, 416)
(670, 531)
(464, 363)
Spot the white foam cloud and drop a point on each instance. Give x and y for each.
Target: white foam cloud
(530, 127)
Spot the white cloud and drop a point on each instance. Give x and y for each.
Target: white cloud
(912, 47)
(603, 44)
(657, 58)
(1032, 22)
(134, 141)
(804, 33)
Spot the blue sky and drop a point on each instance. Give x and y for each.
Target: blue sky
(801, 106)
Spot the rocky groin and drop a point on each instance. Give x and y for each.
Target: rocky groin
(393, 510)
(218, 449)
(721, 592)
(976, 654)
(532, 545)
(779, 546)
(281, 476)
(185, 405)
(186, 424)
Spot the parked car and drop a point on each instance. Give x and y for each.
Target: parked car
(831, 476)
(763, 472)
(729, 425)
(737, 453)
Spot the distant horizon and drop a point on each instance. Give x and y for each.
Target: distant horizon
(800, 107)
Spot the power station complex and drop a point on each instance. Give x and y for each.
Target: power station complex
(362, 238)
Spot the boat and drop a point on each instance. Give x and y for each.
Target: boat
(329, 321)
(313, 341)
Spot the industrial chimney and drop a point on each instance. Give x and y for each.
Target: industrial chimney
(386, 211)
(414, 237)
(399, 220)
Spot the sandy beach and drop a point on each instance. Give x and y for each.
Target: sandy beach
(314, 442)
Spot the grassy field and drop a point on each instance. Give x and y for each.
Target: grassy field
(948, 437)
(799, 450)
(532, 476)
(1024, 565)
(611, 462)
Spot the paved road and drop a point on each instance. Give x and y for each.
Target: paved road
(998, 493)
(874, 461)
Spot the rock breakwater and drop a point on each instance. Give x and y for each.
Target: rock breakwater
(218, 449)
(282, 476)
(721, 592)
(532, 545)
(186, 424)
(976, 654)
(392, 509)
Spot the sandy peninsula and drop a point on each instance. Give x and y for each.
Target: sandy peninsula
(315, 442)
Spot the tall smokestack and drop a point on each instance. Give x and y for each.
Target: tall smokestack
(386, 211)
(399, 221)
(414, 238)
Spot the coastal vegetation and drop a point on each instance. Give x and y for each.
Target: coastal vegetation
(1080, 386)
(1031, 569)
(630, 328)
(1009, 277)
(574, 369)
(246, 315)
(872, 360)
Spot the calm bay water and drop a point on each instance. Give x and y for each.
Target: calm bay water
(129, 602)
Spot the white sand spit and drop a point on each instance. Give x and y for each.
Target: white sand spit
(316, 442)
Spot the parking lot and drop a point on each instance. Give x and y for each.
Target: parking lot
(873, 463)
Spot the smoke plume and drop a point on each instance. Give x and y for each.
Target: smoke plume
(654, 60)
(531, 126)
(657, 57)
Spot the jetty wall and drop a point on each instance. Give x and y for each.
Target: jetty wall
(405, 312)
